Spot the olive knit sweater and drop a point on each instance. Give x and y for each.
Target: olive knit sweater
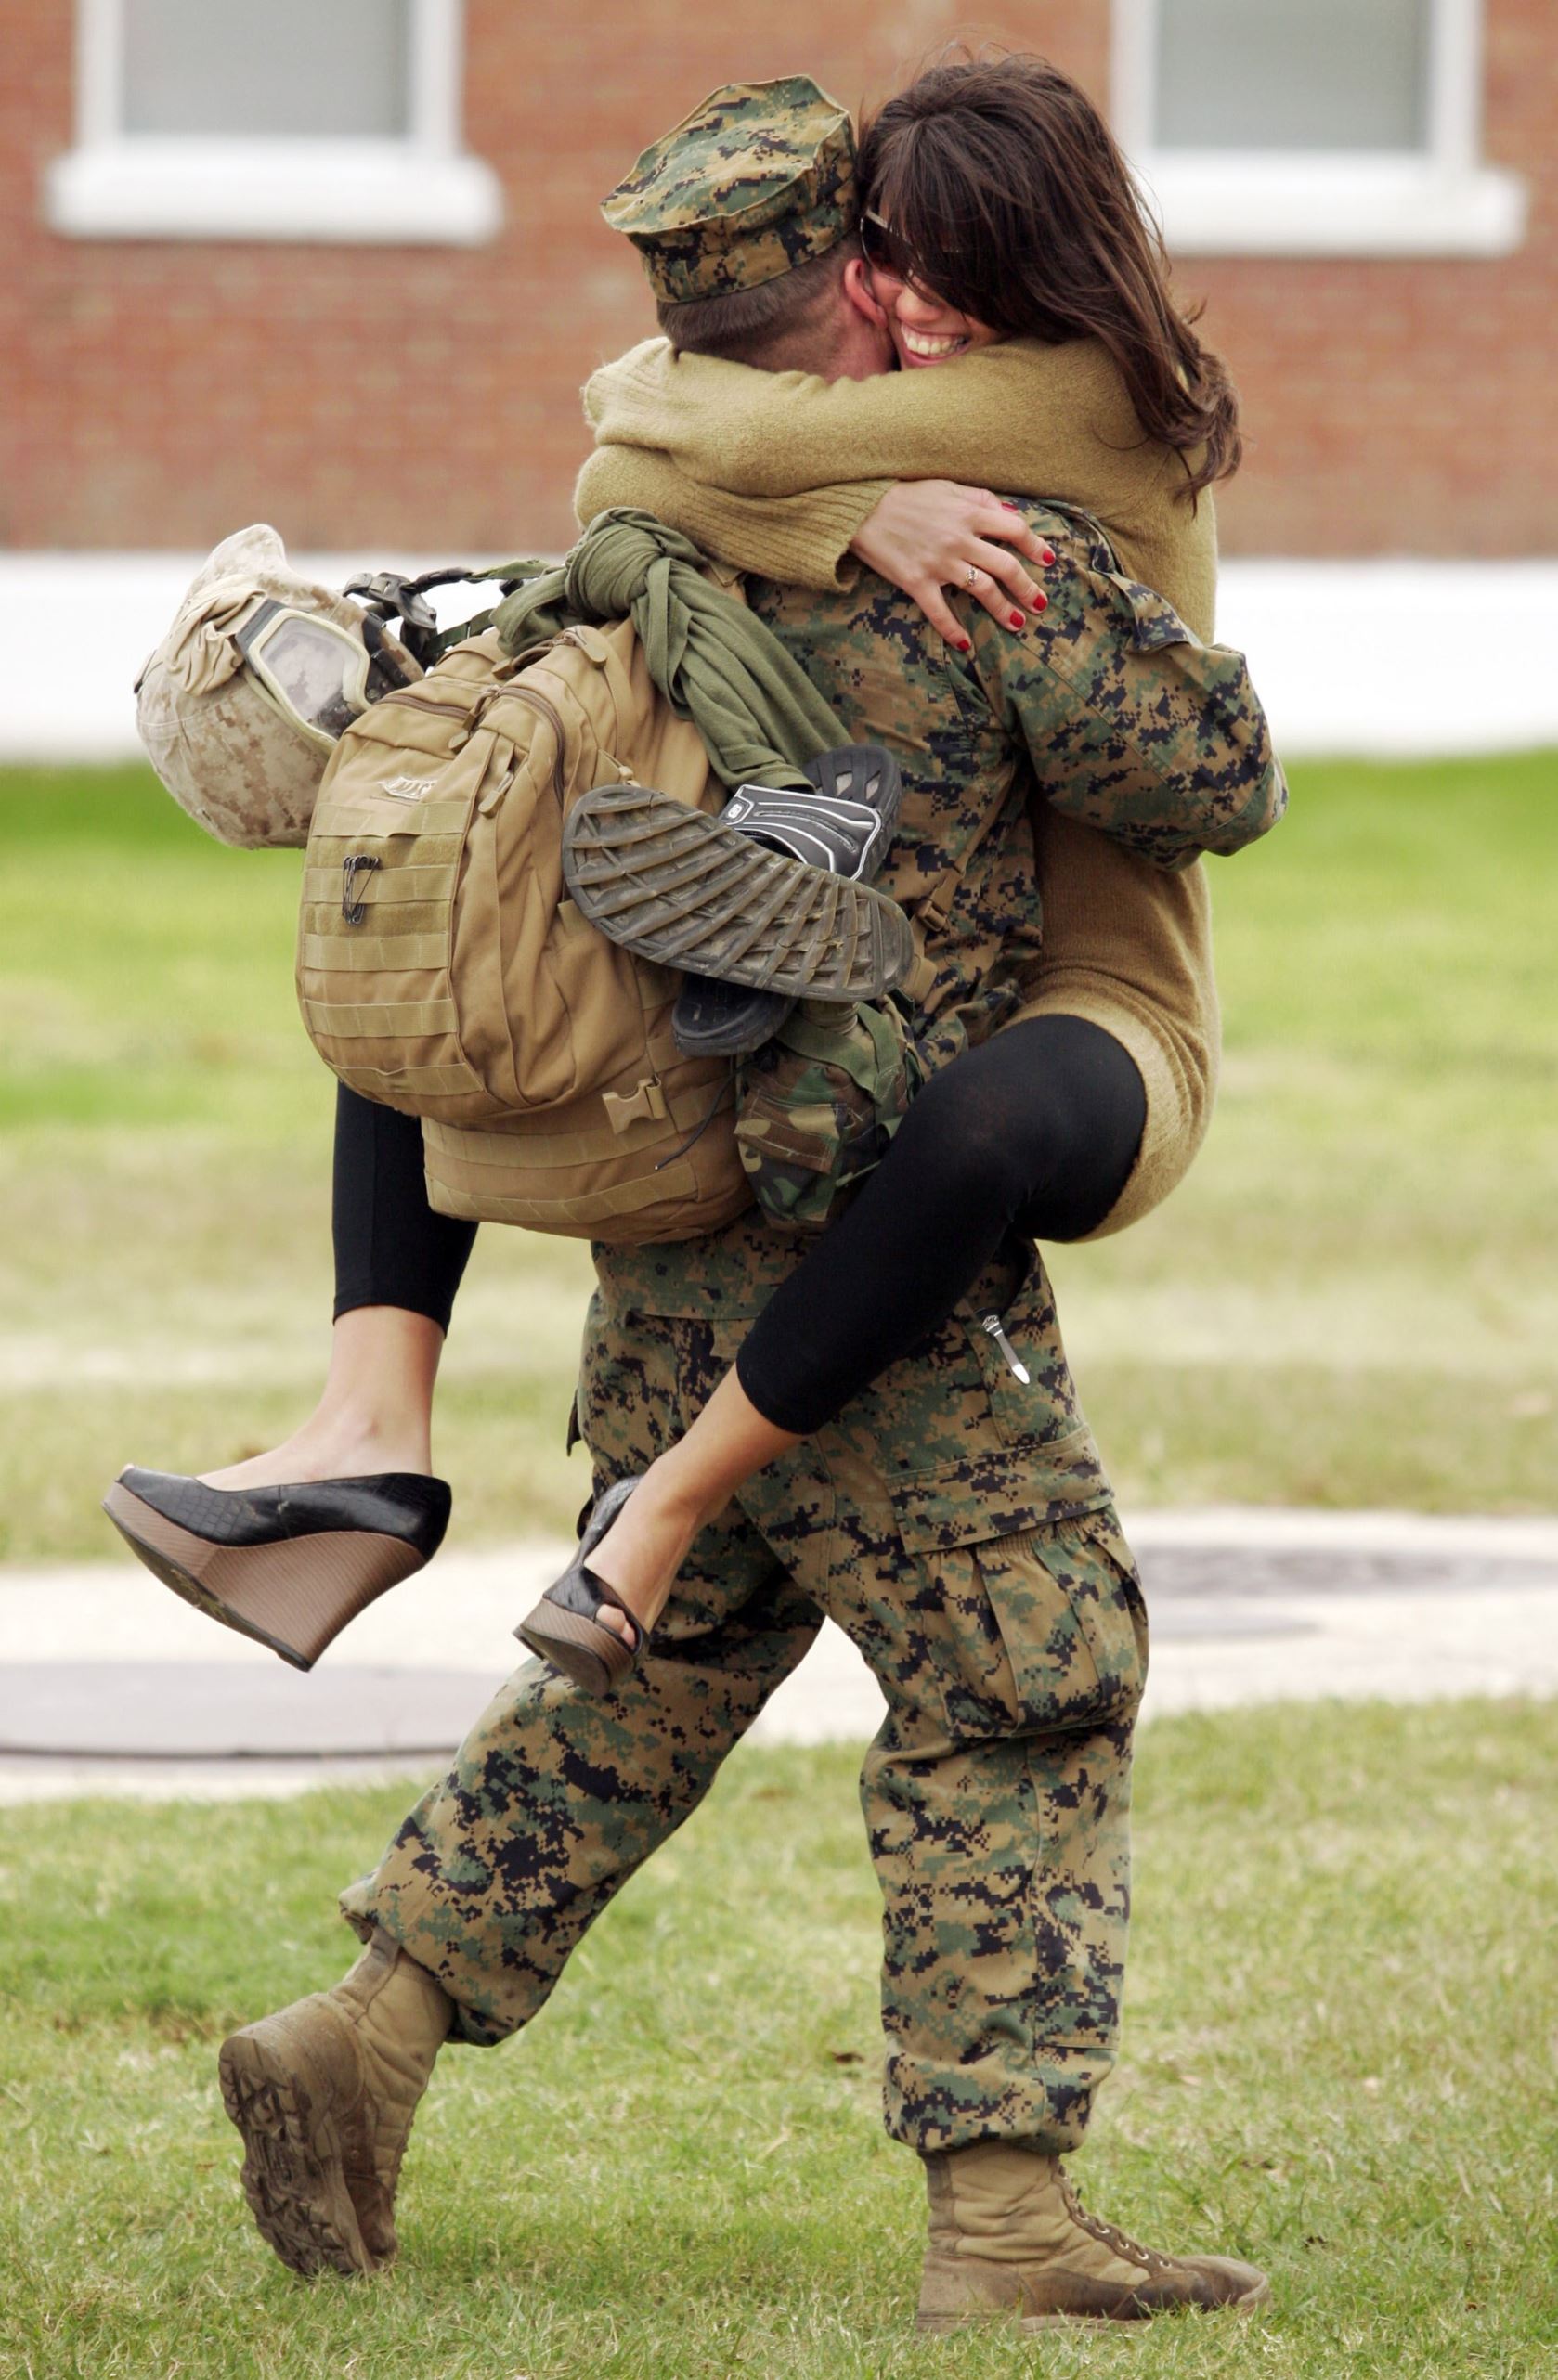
(774, 471)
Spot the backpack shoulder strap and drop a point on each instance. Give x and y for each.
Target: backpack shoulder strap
(604, 648)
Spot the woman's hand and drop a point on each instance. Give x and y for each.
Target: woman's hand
(927, 533)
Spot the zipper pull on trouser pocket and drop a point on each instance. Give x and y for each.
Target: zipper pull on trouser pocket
(1014, 1363)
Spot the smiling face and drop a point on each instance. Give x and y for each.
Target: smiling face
(932, 331)
(927, 329)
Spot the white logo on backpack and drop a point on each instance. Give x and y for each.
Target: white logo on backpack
(407, 789)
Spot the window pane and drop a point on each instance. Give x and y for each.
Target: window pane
(296, 68)
(1292, 74)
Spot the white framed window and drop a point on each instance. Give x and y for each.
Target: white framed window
(322, 120)
(1312, 128)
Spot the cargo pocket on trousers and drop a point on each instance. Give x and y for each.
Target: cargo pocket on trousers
(1072, 1620)
(1029, 1620)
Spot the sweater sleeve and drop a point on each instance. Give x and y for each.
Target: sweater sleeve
(1129, 947)
(1019, 414)
(1019, 418)
(802, 540)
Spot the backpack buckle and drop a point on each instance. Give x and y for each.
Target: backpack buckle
(647, 1104)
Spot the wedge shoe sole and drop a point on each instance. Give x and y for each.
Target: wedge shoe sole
(674, 885)
(293, 1596)
(589, 1655)
(287, 2102)
(587, 1652)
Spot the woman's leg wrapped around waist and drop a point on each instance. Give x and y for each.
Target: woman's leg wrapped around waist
(1032, 1134)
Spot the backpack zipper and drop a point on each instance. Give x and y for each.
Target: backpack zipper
(412, 701)
(539, 703)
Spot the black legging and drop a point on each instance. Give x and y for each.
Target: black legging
(391, 1249)
(1033, 1134)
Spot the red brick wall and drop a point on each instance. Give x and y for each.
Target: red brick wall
(159, 395)
(1409, 407)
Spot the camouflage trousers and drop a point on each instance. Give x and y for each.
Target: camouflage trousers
(957, 1525)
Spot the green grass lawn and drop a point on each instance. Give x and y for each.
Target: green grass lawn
(1338, 2061)
(1351, 1301)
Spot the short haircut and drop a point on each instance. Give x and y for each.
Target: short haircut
(758, 326)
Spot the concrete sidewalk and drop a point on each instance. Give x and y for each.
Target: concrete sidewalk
(1247, 1607)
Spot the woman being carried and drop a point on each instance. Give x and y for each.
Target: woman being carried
(999, 218)
(1028, 304)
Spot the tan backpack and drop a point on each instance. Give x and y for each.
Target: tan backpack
(443, 970)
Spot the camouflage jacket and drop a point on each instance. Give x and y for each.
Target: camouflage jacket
(1105, 703)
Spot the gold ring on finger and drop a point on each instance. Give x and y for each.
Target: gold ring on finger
(973, 575)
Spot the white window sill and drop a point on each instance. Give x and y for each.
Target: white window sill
(389, 191)
(1257, 205)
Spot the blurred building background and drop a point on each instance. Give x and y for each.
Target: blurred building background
(340, 267)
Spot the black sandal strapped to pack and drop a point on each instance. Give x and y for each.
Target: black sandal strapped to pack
(859, 787)
(565, 1627)
(764, 894)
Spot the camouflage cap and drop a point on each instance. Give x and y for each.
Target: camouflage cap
(759, 179)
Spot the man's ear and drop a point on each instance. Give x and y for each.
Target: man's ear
(861, 295)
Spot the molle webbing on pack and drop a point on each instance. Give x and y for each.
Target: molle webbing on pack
(443, 970)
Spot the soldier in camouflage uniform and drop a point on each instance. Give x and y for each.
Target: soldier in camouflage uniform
(956, 1519)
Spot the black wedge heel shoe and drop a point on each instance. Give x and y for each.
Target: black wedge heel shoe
(289, 1565)
(565, 1627)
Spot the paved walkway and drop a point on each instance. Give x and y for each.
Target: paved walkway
(1247, 1606)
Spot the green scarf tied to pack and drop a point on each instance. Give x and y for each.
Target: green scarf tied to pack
(756, 709)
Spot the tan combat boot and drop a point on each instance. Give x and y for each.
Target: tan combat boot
(324, 2092)
(1009, 2238)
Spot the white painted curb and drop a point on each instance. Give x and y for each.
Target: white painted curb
(1374, 658)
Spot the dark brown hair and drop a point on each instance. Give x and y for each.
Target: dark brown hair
(1006, 195)
(763, 326)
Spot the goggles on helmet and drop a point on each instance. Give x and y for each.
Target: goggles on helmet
(317, 674)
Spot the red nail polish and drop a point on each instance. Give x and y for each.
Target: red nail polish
(1014, 619)
(1049, 554)
(966, 646)
(1009, 506)
(1041, 602)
